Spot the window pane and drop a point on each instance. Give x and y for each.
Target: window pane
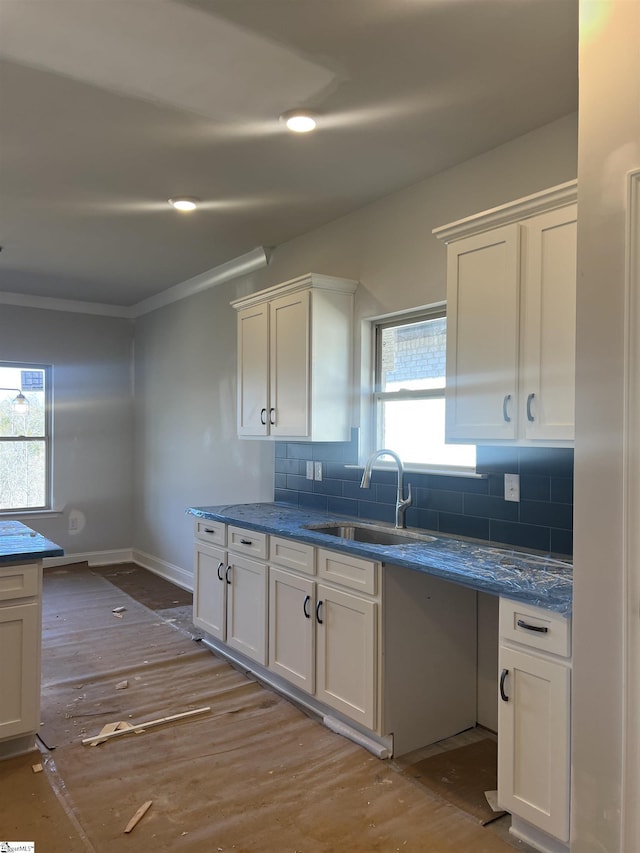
(413, 355)
(31, 385)
(22, 474)
(415, 430)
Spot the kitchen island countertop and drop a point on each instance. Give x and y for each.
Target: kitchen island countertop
(19, 543)
(543, 580)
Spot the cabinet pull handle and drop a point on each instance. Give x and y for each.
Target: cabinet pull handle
(246, 541)
(220, 571)
(318, 619)
(505, 403)
(208, 530)
(529, 412)
(541, 629)
(226, 574)
(263, 417)
(306, 601)
(503, 675)
(272, 417)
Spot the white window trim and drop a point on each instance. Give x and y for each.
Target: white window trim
(48, 442)
(369, 397)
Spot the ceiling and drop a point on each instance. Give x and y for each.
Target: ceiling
(107, 109)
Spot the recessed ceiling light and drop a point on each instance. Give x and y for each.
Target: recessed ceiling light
(299, 121)
(184, 203)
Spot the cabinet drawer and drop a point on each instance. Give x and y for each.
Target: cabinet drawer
(247, 541)
(535, 627)
(214, 532)
(19, 582)
(292, 555)
(344, 569)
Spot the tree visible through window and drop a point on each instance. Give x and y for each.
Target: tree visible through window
(409, 392)
(24, 436)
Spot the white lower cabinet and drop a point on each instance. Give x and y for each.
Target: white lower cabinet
(246, 582)
(20, 633)
(385, 655)
(292, 630)
(230, 591)
(323, 639)
(346, 653)
(534, 724)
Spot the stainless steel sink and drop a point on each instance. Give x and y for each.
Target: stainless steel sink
(372, 534)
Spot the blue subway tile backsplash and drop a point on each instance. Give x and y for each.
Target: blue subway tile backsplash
(463, 506)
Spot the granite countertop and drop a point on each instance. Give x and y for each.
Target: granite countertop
(532, 577)
(19, 543)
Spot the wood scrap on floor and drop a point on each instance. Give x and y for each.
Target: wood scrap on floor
(127, 728)
(37, 768)
(144, 808)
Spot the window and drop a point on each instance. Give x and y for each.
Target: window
(409, 390)
(25, 430)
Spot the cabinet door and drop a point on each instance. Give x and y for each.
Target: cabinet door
(247, 607)
(19, 669)
(533, 741)
(482, 335)
(289, 412)
(346, 654)
(209, 590)
(291, 628)
(253, 371)
(549, 325)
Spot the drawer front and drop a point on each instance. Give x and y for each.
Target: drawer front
(353, 572)
(292, 555)
(535, 628)
(19, 582)
(214, 532)
(247, 542)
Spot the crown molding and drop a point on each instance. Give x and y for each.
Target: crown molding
(513, 211)
(243, 265)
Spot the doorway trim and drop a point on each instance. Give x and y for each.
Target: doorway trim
(631, 485)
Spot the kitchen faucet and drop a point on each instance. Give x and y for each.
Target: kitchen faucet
(401, 502)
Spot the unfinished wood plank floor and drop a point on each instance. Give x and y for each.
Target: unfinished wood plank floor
(255, 774)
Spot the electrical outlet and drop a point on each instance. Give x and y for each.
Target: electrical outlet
(318, 470)
(73, 523)
(309, 470)
(512, 487)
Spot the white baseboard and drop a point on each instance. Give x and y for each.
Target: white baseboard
(180, 577)
(94, 558)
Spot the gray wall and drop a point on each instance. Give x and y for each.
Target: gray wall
(93, 434)
(186, 452)
(609, 148)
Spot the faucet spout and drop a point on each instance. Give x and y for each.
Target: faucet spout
(401, 502)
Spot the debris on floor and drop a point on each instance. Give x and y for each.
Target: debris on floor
(112, 730)
(144, 808)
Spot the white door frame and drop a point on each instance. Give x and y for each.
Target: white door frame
(631, 530)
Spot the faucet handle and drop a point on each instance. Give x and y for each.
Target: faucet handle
(407, 501)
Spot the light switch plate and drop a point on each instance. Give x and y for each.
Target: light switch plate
(309, 470)
(318, 470)
(512, 487)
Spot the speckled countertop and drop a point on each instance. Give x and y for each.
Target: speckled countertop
(531, 577)
(19, 543)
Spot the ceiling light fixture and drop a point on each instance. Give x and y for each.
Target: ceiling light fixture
(20, 404)
(299, 121)
(184, 203)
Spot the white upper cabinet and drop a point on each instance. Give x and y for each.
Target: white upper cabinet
(295, 360)
(511, 296)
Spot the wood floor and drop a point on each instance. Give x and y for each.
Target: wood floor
(254, 774)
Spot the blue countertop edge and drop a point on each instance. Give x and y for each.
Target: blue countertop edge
(19, 543)
(542, 580)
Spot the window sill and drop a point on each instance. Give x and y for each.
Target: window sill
(31, 513)
(425, 469)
